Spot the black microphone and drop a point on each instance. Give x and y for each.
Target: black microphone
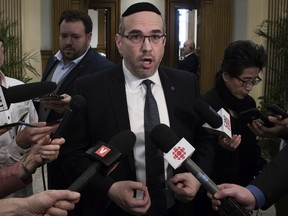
(179, 152)
(77, 104)
(208, 113)
(217, 123)
(106, 156)
(24, 92)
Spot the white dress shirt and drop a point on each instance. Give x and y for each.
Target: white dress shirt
(136, 93)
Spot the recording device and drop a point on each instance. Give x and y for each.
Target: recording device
(277, 110)
(252, 114)
(217, 123)
(178, 152)
(54, 122)
(48, 97)
(77, 104)
(24, 92)
(106, 157)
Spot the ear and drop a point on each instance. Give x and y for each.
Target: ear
(118, 41)
(89, 36)
(225, 76)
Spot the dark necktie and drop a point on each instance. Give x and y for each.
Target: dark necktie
(155, 179)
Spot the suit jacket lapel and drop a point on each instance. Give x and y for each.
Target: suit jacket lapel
(170, 90)
(119, 103)
(51, 64)
(118, 97)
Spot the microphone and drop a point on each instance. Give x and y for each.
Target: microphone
(24, 92)
(207, 113)
(77, 104)
(178, 152)
(106, 156)
(217, 123)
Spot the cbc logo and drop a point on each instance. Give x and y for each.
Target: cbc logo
(179, 153)
(227, 123)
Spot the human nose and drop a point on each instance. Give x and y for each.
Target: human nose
(249, 86)
(68, 40)
(146, 44)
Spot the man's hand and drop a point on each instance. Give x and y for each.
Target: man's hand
(59, 106)
(43, 152)
(51, 202)
(240, 194)
(122, 193)
(280, 128)
(30, 135)
(185, 186)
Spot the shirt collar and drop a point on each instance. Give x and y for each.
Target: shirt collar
(58, 56)
(133, 82)
(3, 79)
(188, 54)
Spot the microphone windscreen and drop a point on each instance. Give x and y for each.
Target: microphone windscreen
(164, 137)
(208, 113)
(123, 141)
(28, 91)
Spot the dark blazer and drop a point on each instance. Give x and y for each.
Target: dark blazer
(106, 115)
(273, 181)
(90, 63)
(189, 63)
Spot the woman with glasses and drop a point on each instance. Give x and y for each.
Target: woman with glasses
(238, 159)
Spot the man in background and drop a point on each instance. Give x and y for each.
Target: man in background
(190, 61)
(75, 58)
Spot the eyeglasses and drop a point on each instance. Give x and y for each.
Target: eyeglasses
(246, 83)
(137, 38)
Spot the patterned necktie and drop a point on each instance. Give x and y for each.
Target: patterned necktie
(155, 179)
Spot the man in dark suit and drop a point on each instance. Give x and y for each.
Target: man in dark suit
(115, 102)
(190, 61)
(75, 58)
(269, 186)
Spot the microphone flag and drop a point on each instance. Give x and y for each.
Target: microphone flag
(224, 129)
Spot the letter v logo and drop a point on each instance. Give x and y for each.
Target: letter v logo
(102, 151)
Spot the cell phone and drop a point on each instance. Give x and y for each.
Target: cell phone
(250, 115)
(277, 110)
(54, 122)
(49, 97)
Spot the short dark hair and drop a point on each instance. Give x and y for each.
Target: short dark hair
(243, 54)
(72, 15)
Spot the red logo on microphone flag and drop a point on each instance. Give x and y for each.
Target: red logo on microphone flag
(179, 153)
(103, 151)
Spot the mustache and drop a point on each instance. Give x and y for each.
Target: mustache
(146, 57)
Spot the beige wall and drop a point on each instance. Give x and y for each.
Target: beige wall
(31, 31)
(257, 12)
(253, 11)
(249, 16)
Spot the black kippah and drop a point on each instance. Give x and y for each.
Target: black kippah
(141, 6)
